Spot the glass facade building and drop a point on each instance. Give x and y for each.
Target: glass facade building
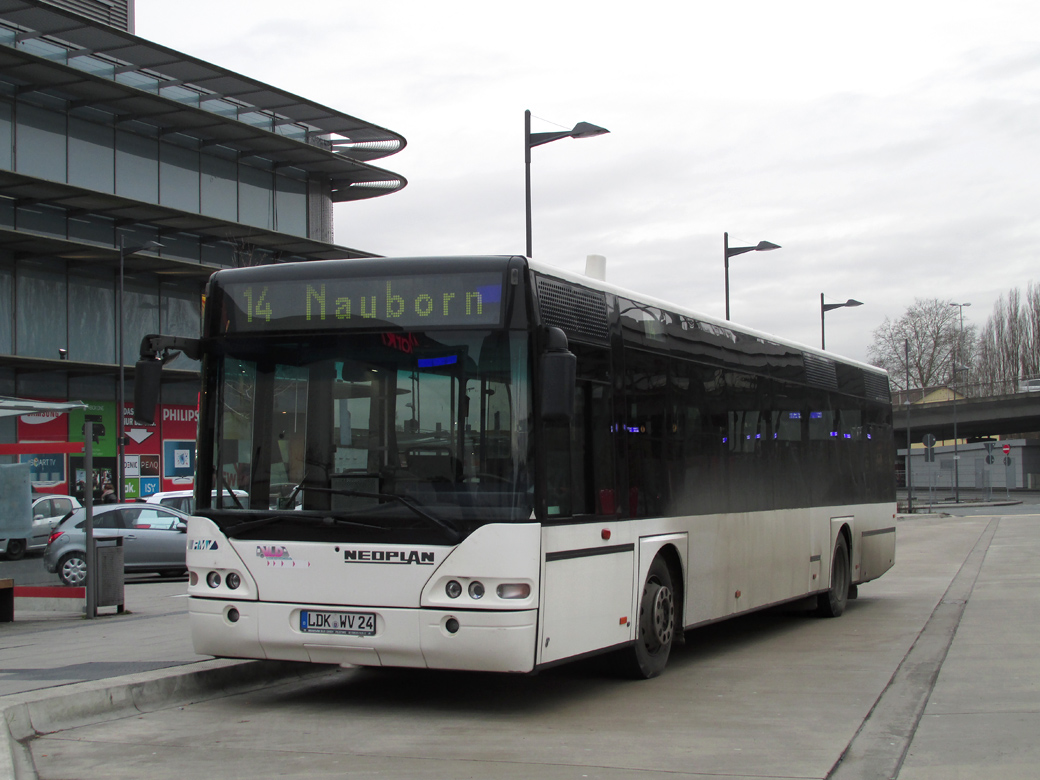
(129, 172)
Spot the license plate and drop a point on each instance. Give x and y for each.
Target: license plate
(352, 623)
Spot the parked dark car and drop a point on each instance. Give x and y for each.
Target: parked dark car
(154, 540)
(47, 511)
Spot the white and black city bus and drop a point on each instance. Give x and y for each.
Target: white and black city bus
(485, 463)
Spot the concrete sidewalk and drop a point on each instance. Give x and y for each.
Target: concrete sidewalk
(58, 669)
(46, 649)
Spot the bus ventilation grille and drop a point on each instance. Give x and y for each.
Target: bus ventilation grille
(876, 386)
(574, 310)
(820, 372)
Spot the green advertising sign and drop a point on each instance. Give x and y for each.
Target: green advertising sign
(131, 488)
(103, 415)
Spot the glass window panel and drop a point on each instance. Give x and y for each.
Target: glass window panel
(179, 178)
(181, 95)
(219, 188)
(6, 135)
(256, 119)
(222, 254)
(40, 142)
(91, 64)
(40, 218)
(42, 305)
(139, 80)
(137, 167)
(183, 393)
(50, 384)
(180, 311)
(255, 197)
(290, 205)
(183, 246)
(92, 228)
(91, 155)
(6, 307)
(82, 388)
(92, 318)
(222, 107)
(140, 315)
(6, 212)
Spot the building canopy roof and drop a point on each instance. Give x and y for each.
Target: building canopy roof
(365, 140)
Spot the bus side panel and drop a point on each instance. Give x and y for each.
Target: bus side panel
(587, 592)
(877, 553)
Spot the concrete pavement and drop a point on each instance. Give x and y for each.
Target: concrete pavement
(965, 702)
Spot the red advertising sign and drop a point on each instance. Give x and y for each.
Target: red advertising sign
(141, 439)
(44, 426)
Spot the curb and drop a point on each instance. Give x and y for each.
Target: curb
(28, 715)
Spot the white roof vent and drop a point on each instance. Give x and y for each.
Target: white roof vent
(596, 267)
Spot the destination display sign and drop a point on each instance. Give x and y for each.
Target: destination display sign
(422, 301)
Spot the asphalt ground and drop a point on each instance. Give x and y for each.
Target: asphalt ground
(931, 673)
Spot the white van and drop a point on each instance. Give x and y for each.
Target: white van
(184, 500)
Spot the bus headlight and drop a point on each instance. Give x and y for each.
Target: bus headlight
(232, 580)
(476, 589)
(213, 579)
(513, 590)
(453, 589)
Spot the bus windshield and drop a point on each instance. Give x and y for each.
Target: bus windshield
(390, 432)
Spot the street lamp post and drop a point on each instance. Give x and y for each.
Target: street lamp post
(581, 130)
(728, 252)
(826, 307)
(956, 368)
(120, 426)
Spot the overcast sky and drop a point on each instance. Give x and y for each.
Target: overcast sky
(892, 149)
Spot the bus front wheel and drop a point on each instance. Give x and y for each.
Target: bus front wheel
(832, 602)
(655, 628)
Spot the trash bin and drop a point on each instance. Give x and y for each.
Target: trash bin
(109, 566)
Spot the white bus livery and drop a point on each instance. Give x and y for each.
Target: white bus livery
(486, 463)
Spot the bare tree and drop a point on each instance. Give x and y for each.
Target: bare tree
(932, 329)
(1009, 344)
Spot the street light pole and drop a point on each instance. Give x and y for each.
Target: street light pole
(728, 252)
(956, 358)
(826, 307)
(120, 424)
(580, 130)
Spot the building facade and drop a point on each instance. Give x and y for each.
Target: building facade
(129, 172)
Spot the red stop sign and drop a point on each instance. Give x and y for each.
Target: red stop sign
(1007, 449)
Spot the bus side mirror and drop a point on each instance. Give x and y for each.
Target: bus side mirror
(558, 370)
(147, 378)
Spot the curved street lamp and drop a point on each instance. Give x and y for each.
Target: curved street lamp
(728, 252)
(581, 130)
(826, 307)
(956, 368)
(124, 252)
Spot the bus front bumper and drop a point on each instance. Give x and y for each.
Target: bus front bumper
(488, 641)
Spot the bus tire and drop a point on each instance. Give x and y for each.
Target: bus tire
(655, 626)
(831, 603)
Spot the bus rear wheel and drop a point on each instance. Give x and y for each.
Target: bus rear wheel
(655, 628)
(832, 602)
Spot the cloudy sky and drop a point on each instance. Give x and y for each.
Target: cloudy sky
(892, 149)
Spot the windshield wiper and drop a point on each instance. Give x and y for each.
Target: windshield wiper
(250, 525)
(452, 530)
(220, 495)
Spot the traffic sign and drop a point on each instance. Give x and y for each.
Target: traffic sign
(1007, 449)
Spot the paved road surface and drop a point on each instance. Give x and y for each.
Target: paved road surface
(932, 673)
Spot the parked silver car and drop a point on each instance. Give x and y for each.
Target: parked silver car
(154, 540)
(47, 512)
